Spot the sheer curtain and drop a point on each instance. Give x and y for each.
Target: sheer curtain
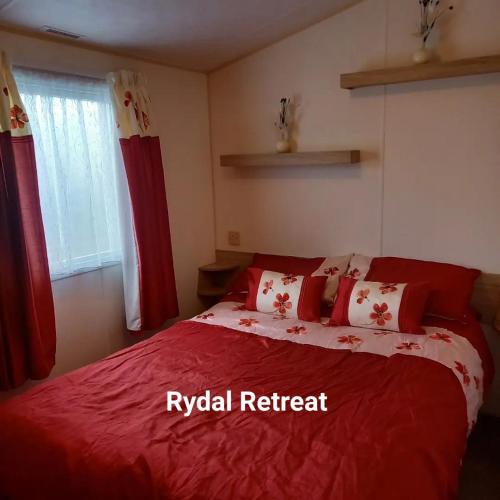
(74, 132)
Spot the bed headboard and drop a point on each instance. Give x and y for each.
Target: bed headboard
(485, 299)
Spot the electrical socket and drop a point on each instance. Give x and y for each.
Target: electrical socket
(233, 238)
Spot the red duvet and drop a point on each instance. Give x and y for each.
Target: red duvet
(395, 427)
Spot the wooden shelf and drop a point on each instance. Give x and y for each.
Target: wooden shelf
(292, 159)
(419, 72)
(214, 279)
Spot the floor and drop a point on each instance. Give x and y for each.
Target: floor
(480, 478)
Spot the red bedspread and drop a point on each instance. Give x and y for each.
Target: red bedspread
(395, 427)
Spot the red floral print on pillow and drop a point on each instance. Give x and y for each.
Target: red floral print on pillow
(361, 303)
(462, 369)
(239, 308)
(363, 295)
(441, 336)
(205, 316)
(331, 271)
(408, 346)
(18, 118)
(388, 288)
(282, 303)
(268, 285)
(297, 330)
(248, 322)
(299, 300)
(380, 314)
(353, 273)
(289, 279)
(349, 339)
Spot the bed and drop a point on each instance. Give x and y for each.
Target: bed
(396, 424)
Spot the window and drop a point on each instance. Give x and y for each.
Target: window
(76, 152)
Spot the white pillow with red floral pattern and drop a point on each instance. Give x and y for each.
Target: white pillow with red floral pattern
(358, 268)
(383, 306)
(285, 295)
(332, 268)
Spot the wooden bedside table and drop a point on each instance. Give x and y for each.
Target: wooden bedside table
(213, 280)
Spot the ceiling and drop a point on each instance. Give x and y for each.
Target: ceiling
(194, 34)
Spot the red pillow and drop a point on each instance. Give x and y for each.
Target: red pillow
(286, 295)
(451, 286)
(382, 306)
(239, 283)
(279, 263)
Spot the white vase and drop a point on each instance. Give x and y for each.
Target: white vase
(283, 145)
(422, 55)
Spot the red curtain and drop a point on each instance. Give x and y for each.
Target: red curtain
(27, 323)
(144, 169)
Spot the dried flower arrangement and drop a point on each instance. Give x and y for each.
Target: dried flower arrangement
(283, 124)
(430, 12)
(284, 117)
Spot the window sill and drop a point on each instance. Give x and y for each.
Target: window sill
(60, 277)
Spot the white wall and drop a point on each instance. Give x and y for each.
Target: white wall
(310, 210)
(429, 181)
(89, 307)
(442, 147)
(89, 318)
